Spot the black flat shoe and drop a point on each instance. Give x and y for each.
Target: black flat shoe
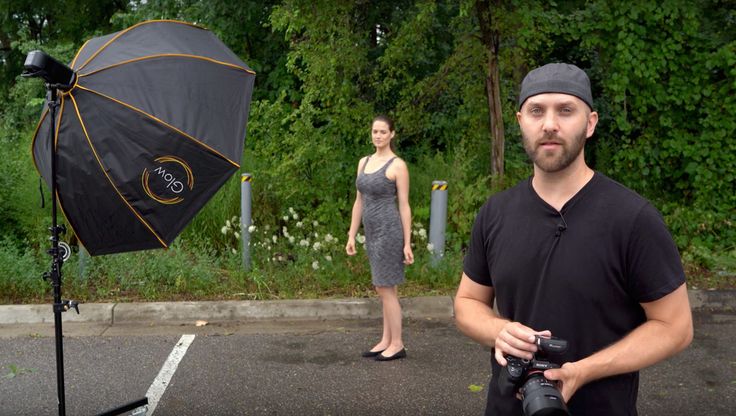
(400, 354)
(371, 354)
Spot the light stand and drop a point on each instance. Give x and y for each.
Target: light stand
(60, 77)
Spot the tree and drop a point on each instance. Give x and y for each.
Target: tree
(490, 35)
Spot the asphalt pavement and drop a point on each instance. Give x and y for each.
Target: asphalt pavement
(303, 358)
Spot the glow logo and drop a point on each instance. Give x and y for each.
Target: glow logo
(168, 181)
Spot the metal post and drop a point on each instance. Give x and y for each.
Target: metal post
(245, 217)
(83, 259)
(438, 219)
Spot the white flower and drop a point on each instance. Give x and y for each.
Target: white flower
(360, 238)
(315, 265)
(251, 228)
(315, 223)
(414, 232)
(430, 247)
(295, 216)
(423, 233)
(328, 257)
(291, 239)
(267, 227)
(316, 246)
(291, 210)
(304, 243)
(299, 225)
(316, 235)
(329, 238)
(285, 231)
(235, 219)
(237, 235)
(224, 230)
(285, 218)
(418, 224)
(227, 224)
(234, 251)
(274, 238)
(269, 247)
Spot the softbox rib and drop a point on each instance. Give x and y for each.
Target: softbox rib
(104, 170)
(74, 61)
(168, 55)
(123, 32)
(163, 123)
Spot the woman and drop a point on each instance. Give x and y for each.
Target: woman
(382, 202)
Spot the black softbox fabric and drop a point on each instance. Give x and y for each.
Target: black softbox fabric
(154, 125)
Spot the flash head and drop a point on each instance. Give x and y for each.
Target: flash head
(41, 64)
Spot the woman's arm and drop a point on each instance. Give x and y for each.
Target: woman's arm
(355, 218)
(401, 176)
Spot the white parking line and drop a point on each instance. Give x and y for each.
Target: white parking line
(163, 378)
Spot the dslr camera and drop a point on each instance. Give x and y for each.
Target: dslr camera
(540, 397)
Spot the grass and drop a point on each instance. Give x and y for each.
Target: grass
(295, 259)
(182, 273)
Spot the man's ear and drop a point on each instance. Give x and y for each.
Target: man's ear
(592, 122)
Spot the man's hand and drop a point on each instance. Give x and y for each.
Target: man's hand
(517, 340)
(569, 378)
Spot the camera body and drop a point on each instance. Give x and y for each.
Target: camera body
(540, 397)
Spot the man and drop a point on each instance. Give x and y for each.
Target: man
(572, 254)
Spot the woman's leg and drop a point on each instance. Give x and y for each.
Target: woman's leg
(391, 320)
(386, 337)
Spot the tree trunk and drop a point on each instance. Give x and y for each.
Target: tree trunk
(493, 92)
(490, 38)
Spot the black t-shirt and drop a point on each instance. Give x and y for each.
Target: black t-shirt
(580, 272)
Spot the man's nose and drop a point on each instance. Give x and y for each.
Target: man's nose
(550, 122)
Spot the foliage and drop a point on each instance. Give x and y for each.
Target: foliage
(668, 90)
(20, 273)
(662, 75)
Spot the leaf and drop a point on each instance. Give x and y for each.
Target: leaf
(475, 388)
(16, 371)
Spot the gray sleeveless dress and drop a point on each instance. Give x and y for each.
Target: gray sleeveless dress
(384, 237)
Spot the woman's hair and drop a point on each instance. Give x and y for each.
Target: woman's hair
(386, 119)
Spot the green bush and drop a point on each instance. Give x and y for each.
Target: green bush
(20, 274)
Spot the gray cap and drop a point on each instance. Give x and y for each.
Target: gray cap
(557, 78)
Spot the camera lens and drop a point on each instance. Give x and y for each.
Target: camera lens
(542, 398)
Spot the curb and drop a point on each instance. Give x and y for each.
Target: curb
(301, 309)
(214, 311)
(719, 300)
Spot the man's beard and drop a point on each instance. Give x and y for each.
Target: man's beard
(554, 163)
